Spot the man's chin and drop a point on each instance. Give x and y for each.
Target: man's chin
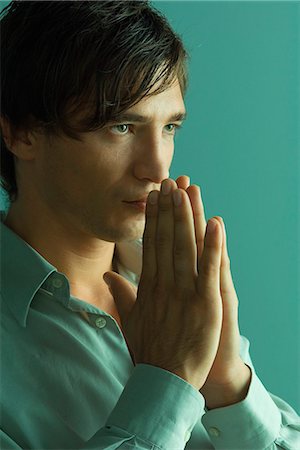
(131, 231)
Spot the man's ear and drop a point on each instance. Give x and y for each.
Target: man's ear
(19, 142)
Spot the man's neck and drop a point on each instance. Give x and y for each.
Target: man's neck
(82, 258)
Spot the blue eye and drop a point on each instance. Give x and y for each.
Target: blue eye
(121, 128)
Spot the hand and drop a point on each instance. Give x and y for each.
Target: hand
(229, 377)
(175, 320)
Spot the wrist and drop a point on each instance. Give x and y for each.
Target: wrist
(226, 394)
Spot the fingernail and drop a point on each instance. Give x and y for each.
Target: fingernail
(177, 197)
(166, 187)
(211, 226)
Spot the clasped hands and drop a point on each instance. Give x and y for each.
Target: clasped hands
(183, 317)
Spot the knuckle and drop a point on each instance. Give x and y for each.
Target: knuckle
(179, 272)
(178, 251)
(164, 207)
(200, 240)
(162, 240)
(180, 219)
(185, 293)
(210, 245)
(227, 262)
(225, 290)
(209, 269)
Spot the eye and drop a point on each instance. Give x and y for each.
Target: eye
(172, 127)
(122, 128)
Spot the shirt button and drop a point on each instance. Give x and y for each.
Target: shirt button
(214, 432)
(57, 283)
(100, 322)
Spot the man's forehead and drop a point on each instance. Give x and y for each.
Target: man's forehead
(168, 103)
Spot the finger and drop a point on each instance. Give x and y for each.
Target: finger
(165, 235)
(185, 250)
(149, 255)
(194, 194)
(227, 288)
(225, 257)
(208, 282)
(183, 182)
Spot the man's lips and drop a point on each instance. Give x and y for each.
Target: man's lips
(141, 200)
(141, 206)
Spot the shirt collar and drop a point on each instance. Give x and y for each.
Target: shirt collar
(24, 270)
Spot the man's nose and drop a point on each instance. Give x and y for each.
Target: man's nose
(154, 159)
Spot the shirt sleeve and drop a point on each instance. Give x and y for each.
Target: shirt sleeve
(262, 421)
(158, 408)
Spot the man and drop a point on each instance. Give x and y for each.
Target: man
(92, 94)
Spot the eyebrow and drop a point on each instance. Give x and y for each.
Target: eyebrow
(179, 116)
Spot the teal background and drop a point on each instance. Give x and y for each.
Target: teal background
(240, 144)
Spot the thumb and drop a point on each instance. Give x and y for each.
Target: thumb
(123, 292)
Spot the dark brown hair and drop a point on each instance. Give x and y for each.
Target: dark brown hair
(58, 57)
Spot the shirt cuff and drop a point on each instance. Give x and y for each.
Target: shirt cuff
(252, 423)
(158, 406)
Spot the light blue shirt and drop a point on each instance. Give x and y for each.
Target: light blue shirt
(68, 380)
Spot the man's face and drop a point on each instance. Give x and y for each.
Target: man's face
(85, 185)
